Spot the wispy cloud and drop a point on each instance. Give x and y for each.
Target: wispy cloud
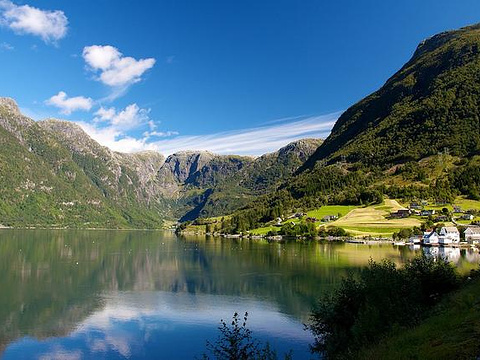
(49, 25)
(251, 141)
(67, 105)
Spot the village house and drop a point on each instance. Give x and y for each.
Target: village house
(427, 212)
(415, 239)
(457, 209)
(449, 235)
(441, 218)
(329, 218)
(430, 238)
(416, 206)
(467, 217)
(472, 234)
(401, 214)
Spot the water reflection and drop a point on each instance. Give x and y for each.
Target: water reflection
(142, 294)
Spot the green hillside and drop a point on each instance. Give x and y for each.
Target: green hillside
(431, 104)
(418, 137)
(46, 184)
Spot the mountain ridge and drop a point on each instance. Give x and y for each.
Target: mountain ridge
(436, 88)
(74, 181)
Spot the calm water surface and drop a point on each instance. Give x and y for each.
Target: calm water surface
(141, 295)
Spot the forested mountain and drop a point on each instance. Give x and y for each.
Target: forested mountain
(416, 137)
(430, 105)
(53, 174)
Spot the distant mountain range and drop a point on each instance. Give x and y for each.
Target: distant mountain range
(417, 136)
(53, 174)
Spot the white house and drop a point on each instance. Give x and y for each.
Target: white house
(472, 234)
(449, 235)
(430, 238)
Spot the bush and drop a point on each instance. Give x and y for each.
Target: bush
(237, 343)
(380, 299)
(333, 231)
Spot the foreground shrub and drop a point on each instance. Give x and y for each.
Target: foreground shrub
(381, 298)
(237, 343)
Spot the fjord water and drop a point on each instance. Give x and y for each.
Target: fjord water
(139, 294)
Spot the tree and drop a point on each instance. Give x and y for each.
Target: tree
(237, 343)
(366, 306)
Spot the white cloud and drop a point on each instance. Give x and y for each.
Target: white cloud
(253, 141)
(148, 134)
(105, 114)
(129, 118)
(114, 69)
(111, 128)
(68, 105)
(49, 25)
(116, 139)
(60, 353)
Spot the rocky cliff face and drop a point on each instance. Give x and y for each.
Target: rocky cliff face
(67, 175)
(116, 173)
(12, 120)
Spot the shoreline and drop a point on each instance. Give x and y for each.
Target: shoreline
(350, 240)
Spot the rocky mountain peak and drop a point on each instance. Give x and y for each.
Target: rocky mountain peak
(303, 148)
(185, 163)
(10, 105)
(12, 119)
(73, 136)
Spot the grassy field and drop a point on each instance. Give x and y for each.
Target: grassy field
(462, 202)
(359, 221)
(363, 221)
(371, 220)
(452, 333)
(330, 210)
(317, 213)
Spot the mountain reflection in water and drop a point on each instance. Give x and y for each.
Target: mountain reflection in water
(141, 294)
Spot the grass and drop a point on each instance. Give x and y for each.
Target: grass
(372, 220)
(263, 230)
(452, 333)
(373, 231)
(359, 221)
(461, 201)
(467, 204)
(317, 213)
(331, 210)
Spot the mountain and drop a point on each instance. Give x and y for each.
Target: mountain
(206, 184)
(431, 104)
(53, 174)
(417, 137)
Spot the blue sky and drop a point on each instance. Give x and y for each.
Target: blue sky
(243, 77)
